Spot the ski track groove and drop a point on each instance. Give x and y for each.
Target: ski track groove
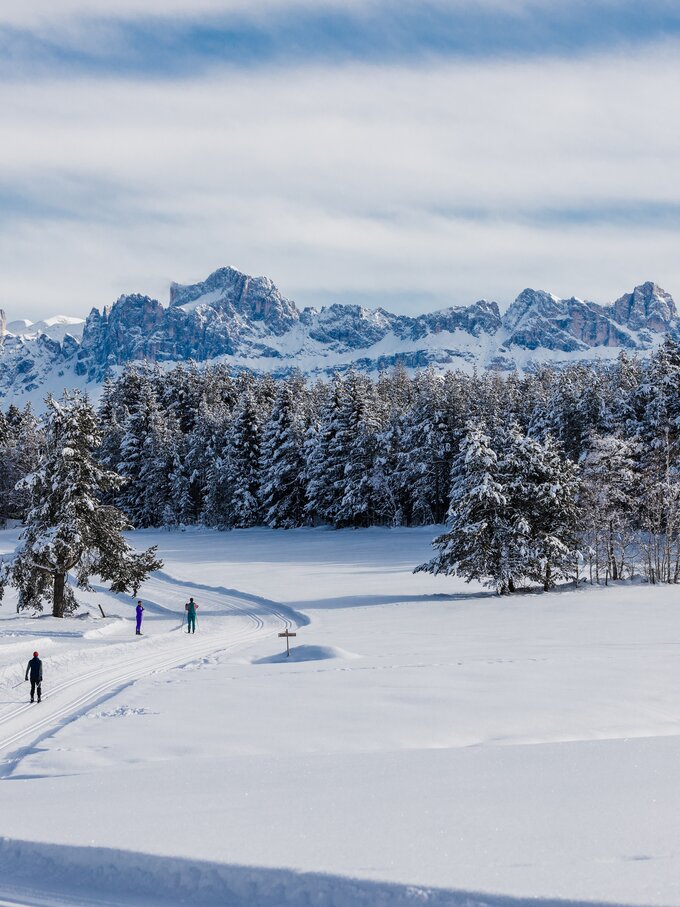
(134, 668)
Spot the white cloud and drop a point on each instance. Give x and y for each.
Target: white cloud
(34, 13)
(360, 180)
(39, 12)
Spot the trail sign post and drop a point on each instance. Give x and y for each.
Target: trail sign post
(288, 635)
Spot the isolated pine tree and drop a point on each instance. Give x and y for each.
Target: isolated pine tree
(67, 526)
(473, 547)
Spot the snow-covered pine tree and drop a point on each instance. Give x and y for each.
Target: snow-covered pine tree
(394, 392)
(622, 380)
(544, 494)
(656, 404)
(21, 444)
(178, 508)
(428, 448)
(610, 490)
(241, 465)
(474, 547)
(564, 416)
(111, 414)
(659, 537)
(358, 422)
(392, 498)
(146, 459)
(67, 526)
(324, 465)
(181, 393)
(282, 491)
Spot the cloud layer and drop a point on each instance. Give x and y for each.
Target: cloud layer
(408, 180)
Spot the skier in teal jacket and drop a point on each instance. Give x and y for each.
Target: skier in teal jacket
(191, 608)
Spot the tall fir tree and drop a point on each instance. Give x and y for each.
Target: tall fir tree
(68, 528)
(474, 545)
(242, 464)
(282, 490)
(324, 463)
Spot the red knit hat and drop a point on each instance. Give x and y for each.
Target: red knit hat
(35, 654)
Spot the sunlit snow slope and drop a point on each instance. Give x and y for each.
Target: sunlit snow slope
(425, 741)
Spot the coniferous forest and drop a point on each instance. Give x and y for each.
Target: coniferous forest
(539, 478)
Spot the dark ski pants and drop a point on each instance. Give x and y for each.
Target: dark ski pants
(191, 623)
(34, 684)
(139, 625)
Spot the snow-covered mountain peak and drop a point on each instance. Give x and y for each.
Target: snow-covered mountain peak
(246, 322)
(648, 306)
(19, 326)
(531, 303)
(232, 292)
(55, 327)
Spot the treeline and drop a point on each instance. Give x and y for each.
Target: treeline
(538, 476)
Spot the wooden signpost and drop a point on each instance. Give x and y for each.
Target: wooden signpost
(288, 635)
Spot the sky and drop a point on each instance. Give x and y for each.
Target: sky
(411, 155)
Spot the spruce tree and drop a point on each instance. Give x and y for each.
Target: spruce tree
(427, 452)
(324, 464)
(68, 528)
(545, 493)
(21, 444)
(355, 443)
(282, 463)
(473, 547)
(241, 465)
(146, 459)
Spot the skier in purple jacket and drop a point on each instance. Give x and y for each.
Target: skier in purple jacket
(140, 611)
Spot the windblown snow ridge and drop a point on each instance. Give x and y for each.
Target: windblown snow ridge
(245, 322)
(59, 875)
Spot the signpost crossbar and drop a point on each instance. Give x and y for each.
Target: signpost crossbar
(287, 634)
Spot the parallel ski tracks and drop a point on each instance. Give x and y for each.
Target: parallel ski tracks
(130, 669)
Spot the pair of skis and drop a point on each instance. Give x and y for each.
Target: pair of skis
(184, 621)
(17, 685)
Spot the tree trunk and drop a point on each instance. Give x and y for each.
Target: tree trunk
(59, 601)
(612, 553)
(547, 582)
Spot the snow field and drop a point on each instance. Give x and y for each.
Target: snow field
(424, 741)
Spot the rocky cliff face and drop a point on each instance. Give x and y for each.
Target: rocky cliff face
(537, 319)
(247, 322)
(648, 308)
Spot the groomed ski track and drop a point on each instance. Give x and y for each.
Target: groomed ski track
(228, 620)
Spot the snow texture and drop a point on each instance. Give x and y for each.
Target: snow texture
(475, 750)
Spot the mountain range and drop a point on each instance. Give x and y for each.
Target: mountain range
(246, 322)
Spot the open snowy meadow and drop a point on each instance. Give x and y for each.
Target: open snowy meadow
(425, 743)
